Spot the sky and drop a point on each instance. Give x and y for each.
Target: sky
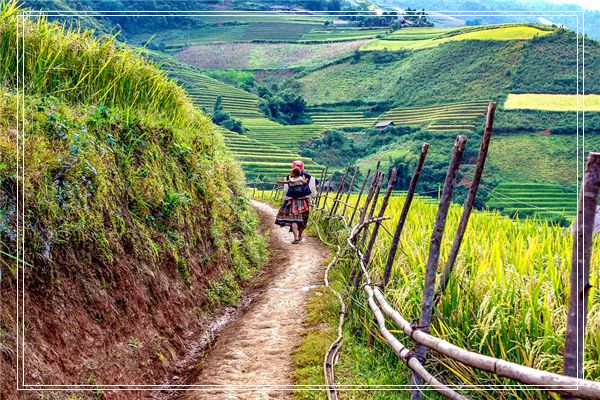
(587, 4)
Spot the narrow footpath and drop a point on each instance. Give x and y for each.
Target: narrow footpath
(256, 348)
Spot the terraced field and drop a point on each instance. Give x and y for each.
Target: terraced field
(276, 31)
(536, 199)
(204, 91)
(441, 118)
(262, 161)
(283, 136)
(416, 33)
(340, 119)
(339, 34)
(492, 32)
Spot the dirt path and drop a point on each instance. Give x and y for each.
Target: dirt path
(256, 348)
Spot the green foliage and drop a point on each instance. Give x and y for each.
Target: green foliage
(285, 107)
(242, 79)
(335, 149)
(224, 119)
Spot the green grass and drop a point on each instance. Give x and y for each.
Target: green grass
(480, 70)
(342, 33)
(121, 160)
(530, 157)
(263, 161)
(416, 33)
(284, 136)
(492, 32)
(552, 102)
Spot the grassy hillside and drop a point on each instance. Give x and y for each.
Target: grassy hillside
(480, 69)
(266, 55)
(136, 219)
(498, 32)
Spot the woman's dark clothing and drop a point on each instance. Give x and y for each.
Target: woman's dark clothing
(293, 211)
(300, 191)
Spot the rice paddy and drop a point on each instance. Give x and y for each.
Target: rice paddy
(284, 136)
(204, 92)
(339, 34)
(261, 161)
(439, 118)
(509, 291)
(342, 118)
(540, 199)
(552, 102)
(493, 32)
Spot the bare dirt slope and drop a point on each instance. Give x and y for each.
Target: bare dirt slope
(256, 348)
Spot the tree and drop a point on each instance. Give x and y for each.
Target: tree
(224, 119)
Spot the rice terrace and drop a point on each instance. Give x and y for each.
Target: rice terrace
(299, 199)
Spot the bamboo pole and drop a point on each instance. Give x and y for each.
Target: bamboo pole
(322, 207)
(470, 201)
(583, 232)
(375, 232)
(373, 204)
(359, 274)
(363, 209)
(339, 192)
(382, 209)
(403, 214)
(434, 251)
(350, 190)
(321, 186)
(530, 376)
(362, 188)
(363, 213)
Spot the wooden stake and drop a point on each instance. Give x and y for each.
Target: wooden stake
(339, 192)
(583, 233)
(321, 186)
(373, 205)
(350, 190)
(470, 200)
(382, 209)
(403, 214)
(362, 188)
(359, 274)
(434, 253)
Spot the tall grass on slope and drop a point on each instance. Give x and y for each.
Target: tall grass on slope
(77, 67)
(119, 162)
(508, 296)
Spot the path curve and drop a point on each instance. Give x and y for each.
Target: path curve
(257, 348)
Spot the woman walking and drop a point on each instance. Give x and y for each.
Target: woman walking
(295, 208)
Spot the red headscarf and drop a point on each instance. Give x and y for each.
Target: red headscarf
(298, 164)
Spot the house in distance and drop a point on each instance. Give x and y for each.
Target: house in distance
(384, 124)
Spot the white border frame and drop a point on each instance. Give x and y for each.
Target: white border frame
(22, 386)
